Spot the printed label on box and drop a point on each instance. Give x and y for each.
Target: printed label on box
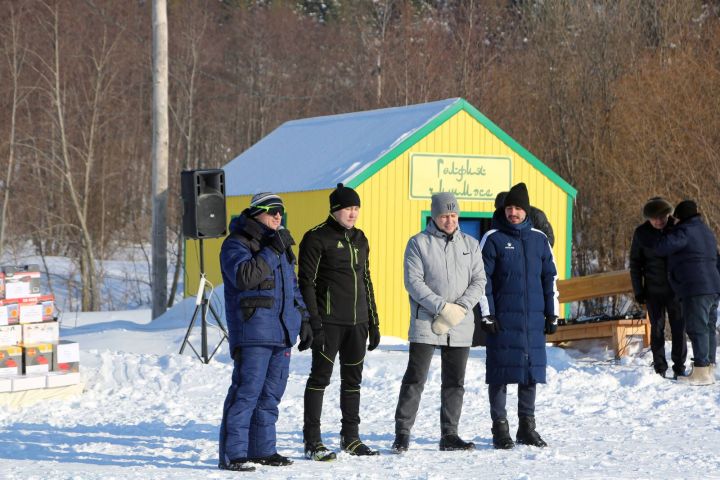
(48, 307)
(22, 281)
(37, 358)
(31, 313)
(10, 360)
(10, 334)
(66, 356)
(9, 312)
(46, 332)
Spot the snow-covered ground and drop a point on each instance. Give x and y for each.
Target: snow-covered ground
(148, 412)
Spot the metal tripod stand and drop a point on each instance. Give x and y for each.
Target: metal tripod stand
(202, 305)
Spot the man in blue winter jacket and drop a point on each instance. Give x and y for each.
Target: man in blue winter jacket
(265, 312)
(692, 266)
(522, 298)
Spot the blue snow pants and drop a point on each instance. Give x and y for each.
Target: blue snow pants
(251, 406)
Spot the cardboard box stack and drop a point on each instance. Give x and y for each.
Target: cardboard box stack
(31, 352)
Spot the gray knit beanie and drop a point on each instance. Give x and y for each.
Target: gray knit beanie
(443, 203)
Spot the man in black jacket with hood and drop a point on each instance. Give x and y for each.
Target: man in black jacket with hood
(334, 278)
(648, 272)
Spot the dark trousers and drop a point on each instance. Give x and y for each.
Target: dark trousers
(453, 361)
(350, 342)
(656, 308)
(259, 379)
(700, 313)
(498, 399)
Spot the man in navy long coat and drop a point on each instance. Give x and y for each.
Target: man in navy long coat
(264, 311)
(522, 296)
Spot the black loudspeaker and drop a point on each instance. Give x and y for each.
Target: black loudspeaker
(203, 196)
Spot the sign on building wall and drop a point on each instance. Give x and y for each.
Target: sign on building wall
(469, 177)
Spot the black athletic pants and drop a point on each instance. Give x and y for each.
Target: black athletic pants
(350, 342)
(656, 307)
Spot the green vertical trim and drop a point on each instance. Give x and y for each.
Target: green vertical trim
(568, 245)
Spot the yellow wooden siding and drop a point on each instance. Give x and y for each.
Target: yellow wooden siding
(389, 218)
(304, 211)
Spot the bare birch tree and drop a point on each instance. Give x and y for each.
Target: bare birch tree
(15, 56)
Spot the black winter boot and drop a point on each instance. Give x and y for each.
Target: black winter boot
(318, 452)
(401, 443)
(274, 460)
(526, 434)
(354, 446)
(452, 442)
(501, 435)
(239, 465)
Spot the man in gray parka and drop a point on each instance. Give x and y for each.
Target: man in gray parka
(445, 279)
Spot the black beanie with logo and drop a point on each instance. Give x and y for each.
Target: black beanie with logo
(343, 197)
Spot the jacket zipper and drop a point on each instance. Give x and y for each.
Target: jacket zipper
(352, 267)
(327, 301)
(527, 320)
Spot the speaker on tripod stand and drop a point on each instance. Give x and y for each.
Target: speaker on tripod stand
(203, 198)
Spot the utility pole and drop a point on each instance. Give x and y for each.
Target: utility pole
(160, 145)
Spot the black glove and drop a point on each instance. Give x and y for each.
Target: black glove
(306, 336)
(550, 324)
(373, 337)
(640, 298)
(490, 324)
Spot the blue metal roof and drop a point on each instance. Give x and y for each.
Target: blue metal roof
(317, 153)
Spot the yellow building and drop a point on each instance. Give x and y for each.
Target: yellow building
(395, 158)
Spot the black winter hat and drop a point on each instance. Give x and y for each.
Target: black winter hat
(686, 209)
(518, 197)
(343, 197)
(657, 207)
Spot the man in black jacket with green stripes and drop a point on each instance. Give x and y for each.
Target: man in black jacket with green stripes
(334, 279)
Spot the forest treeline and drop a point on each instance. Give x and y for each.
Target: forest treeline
(619, 97)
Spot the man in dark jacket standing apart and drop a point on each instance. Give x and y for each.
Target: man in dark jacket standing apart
(648, 272)
(692, 265)
(444, 278)
(522, 297)
(264, 311)
(334, 277)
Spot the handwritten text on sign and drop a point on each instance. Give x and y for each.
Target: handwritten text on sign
(468, 177)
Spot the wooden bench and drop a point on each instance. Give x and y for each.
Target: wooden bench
(600, 285)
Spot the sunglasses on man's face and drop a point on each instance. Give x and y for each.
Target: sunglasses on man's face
(272, 211)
